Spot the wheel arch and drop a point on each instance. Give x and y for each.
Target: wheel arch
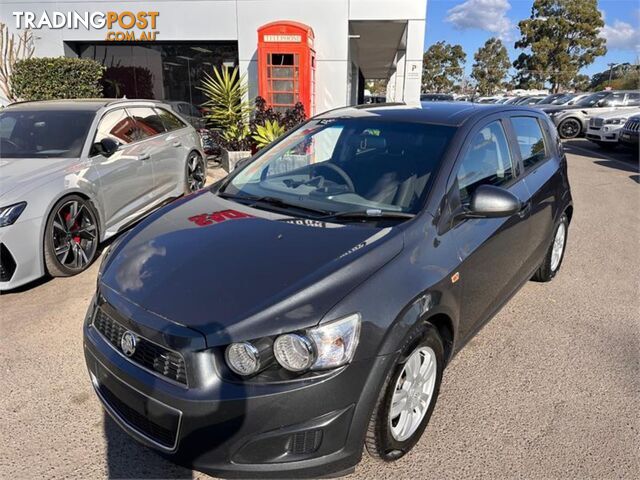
(444, 325)
(63, 195)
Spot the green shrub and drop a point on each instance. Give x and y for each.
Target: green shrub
(53, 78)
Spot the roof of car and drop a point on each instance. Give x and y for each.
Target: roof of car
(453, 113)
(74, 104)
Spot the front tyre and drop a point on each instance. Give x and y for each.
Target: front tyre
(71, 237)
(569, 128)
(196, 173)
(408, 396)
(553, 259)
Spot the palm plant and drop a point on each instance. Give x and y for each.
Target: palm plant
(226, 93)
(267, 133)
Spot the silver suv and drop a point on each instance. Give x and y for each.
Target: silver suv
(75, 172)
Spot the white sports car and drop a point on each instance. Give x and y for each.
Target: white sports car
(75, 172)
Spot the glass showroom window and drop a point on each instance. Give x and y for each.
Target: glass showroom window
(161, 71)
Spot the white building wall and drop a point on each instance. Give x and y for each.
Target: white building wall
(211, 20)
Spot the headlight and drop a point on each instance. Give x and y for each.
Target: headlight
(615, 121)
(243, 358)
(294, 352)
(327, 346)
(10, 214)
(246, 358)
(335, 342)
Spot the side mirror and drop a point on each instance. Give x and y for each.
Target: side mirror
(489, 201)
(105, 147)
(601, 103)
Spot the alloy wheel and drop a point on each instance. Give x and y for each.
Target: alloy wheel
(196, 176)
(74, 235)
(570, 128)
(558, 246)
(413, 393)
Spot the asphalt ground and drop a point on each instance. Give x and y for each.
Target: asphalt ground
(549, 389)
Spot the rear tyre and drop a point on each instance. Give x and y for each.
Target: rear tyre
(569, 128)
(555, 254)
(71, 237)
(195, 174)
(408, 396)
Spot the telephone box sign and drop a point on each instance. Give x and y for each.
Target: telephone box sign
(283, 38)
(287, 65)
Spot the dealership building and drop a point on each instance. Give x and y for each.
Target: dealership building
(319, 52)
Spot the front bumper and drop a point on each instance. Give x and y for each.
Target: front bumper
(603, 134)
(629, 139)
(22, 259)
(294, 429)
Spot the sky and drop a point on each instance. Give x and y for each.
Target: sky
(471, 22)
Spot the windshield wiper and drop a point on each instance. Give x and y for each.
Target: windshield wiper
(254, 200)
(372, 214)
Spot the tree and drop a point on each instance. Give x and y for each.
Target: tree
(491, 66)
(12, 49)
(442, 67)
(581, 83)
(561, 36)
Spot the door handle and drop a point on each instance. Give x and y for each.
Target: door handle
(176, 144)
(144, 156)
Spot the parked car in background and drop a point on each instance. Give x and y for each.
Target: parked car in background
(629, 133)
(603, 128)
(189, 112)
(259, 329)
(436, 97)
(529, 100)
(571, 120)
(557, 99)
(76, 172)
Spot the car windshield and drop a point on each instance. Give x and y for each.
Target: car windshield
(592, 99)
(347, 165)
(43, 133)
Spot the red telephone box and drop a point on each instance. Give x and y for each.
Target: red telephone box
(287, 65)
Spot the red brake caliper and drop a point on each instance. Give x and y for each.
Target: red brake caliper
(73, 227)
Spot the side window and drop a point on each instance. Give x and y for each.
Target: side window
(118, 126)
(486, 162)
(169, 120)
(530, 140)
(148, 122)
(633, 99)
(614, 100)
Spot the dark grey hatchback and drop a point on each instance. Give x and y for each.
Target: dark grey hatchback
(271, 325)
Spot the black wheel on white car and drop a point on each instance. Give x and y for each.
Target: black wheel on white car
(196, 173)
(569, 128)
(408, 396)
(555, 254)
(71, 237)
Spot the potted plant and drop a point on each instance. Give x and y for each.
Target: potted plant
(229, 110)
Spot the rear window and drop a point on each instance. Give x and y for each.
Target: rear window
(530, 140)
(170, 121)
(43, 133)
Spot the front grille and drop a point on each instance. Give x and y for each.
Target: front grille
(7, 264)
(152, 356)
(632, 126)
(134, 418)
